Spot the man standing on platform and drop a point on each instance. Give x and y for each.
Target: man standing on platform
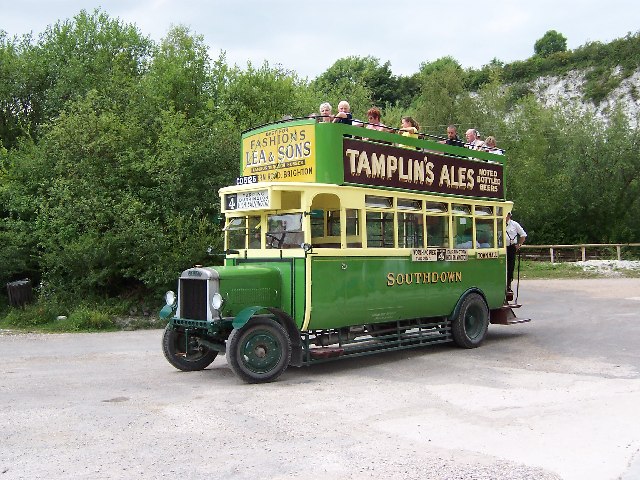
(515, 238)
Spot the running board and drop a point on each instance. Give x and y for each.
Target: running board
(505, 316)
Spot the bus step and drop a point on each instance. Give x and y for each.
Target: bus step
(505, 316)
(326, 352)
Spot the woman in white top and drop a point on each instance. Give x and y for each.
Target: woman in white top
(490, 146)
(325, 113)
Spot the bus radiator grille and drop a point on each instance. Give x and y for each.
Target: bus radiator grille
(193, 299)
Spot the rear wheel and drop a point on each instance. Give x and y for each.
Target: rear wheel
(260, 351)
(469, 327)
(186, 355)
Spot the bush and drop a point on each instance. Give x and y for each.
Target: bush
(86, 319)
(44, 316)
(31, 316)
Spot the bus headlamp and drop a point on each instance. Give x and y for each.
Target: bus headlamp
(217, 301)
(170, 298)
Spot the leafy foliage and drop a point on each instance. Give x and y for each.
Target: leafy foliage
(113, 148)
(551, 42)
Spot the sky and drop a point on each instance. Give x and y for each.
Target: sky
(307, 37)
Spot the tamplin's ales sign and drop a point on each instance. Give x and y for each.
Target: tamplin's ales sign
(368, 163)
(285, 154)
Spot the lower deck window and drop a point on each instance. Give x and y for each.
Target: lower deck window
(463, 232)
(380, 229)
(410, 230)
(484, 233)
(437, 231)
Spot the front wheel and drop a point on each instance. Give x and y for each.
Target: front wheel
(185, 353)
(259, 351)
(469, 327)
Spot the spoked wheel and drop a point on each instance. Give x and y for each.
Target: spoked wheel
(469, 327)
(260, 351)
(186, 354)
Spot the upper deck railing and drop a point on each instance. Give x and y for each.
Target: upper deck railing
(303, 150)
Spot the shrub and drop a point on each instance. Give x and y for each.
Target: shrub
(31, 316)
(86, 319)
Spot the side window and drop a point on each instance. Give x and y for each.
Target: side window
(353, 222)
(380, 229)
(317, 224)
(437, 231)
(410, 230)
(484, 232)
(333, 223)
(437, 224)
(353, 228)
(462, 226)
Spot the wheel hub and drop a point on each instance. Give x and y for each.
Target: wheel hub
(260, 351)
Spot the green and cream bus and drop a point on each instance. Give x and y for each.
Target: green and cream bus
(344, 241)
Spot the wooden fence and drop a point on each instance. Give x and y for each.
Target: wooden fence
(584, 252)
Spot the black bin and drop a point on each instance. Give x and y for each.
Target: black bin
(20, 293)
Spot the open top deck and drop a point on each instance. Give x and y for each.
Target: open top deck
(331, 153)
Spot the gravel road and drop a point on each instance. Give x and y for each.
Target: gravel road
(553, 399)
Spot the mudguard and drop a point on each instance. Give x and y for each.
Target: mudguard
(243, 317)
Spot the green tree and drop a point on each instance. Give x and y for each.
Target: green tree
(441, 89)
(349, 72)
(551, 42)
(179, 71)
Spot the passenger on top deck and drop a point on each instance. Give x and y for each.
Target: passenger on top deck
(473, 142)
(452, 137)
(409, 127)
(325, 112)
(490, 146)
(373, 115)
(344, 113)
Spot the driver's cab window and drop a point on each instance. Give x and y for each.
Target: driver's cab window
(236, 233)
(284, 231)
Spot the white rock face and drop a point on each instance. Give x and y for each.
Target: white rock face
(553, 91)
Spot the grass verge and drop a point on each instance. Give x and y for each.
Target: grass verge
(47, 317)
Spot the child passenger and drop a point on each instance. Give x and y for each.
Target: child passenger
(409, 127)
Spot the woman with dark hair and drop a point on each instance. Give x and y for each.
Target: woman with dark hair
(373, 116)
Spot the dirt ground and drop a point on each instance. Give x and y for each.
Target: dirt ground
(556, 398)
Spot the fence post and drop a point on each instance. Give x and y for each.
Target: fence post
(584, 256)
(551, 253)
(618, 248)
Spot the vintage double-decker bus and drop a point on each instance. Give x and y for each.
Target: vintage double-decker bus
(344, 241)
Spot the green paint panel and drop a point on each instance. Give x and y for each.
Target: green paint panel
(291, 289)
(396, 288)
(247, 285)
